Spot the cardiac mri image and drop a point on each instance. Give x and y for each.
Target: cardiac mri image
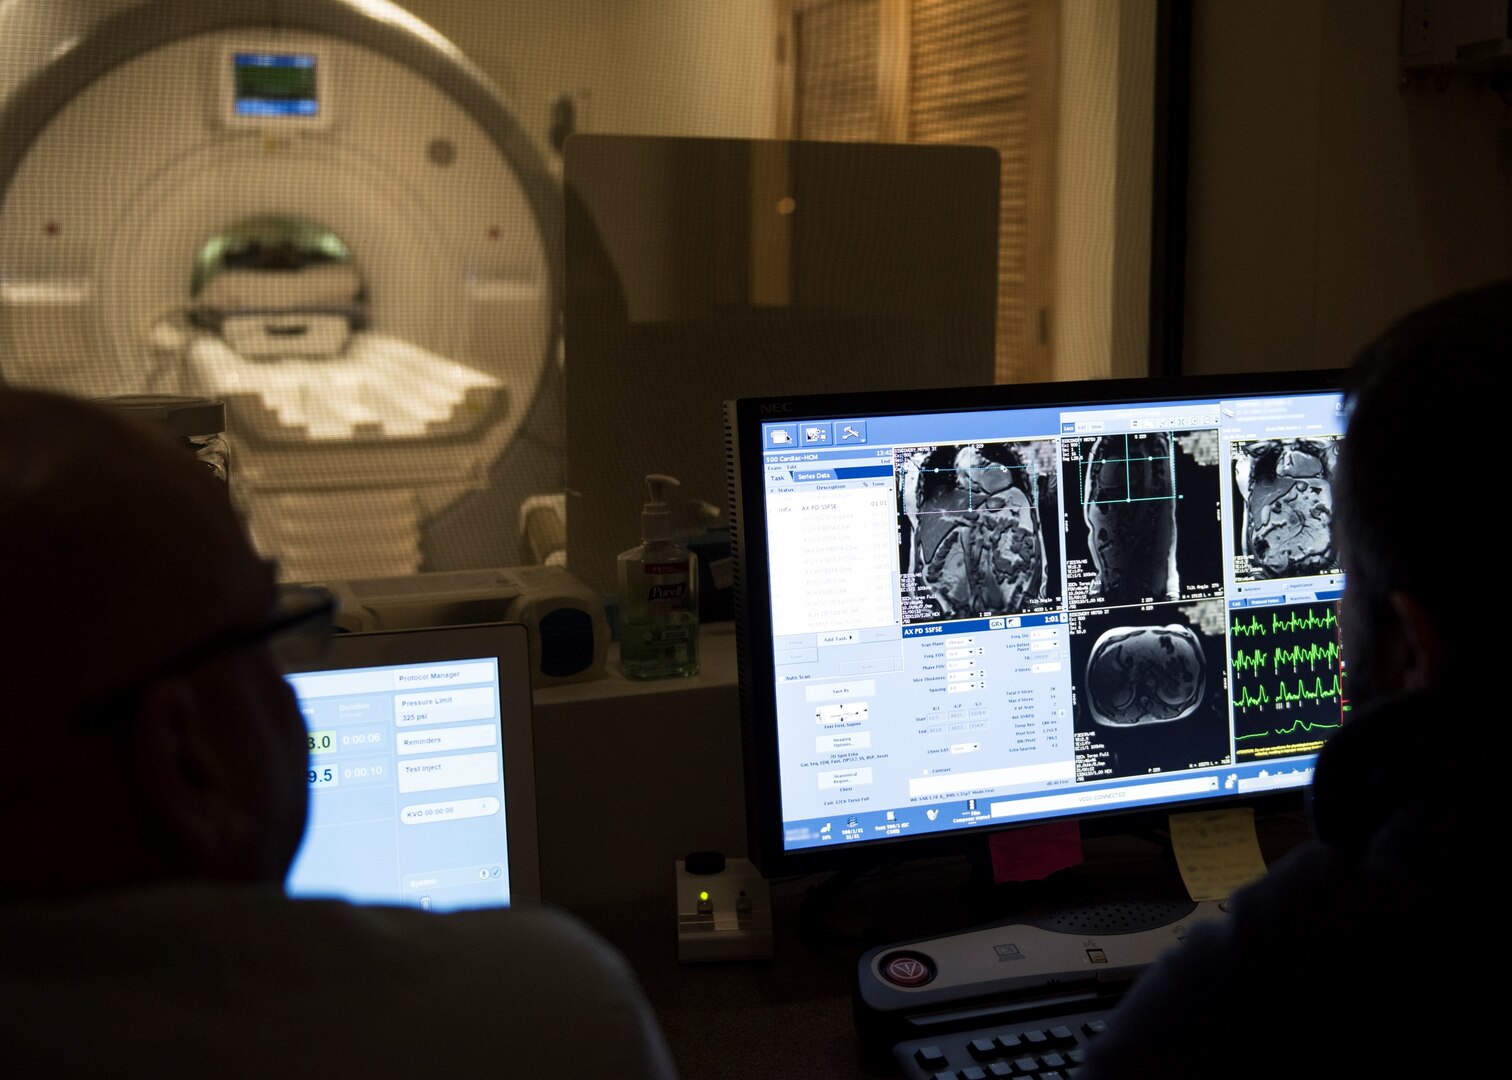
(972, 536)
(1283, 497)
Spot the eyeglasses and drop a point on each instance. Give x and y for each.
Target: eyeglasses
(297, 635)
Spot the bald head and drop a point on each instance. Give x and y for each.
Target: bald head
(120, 554)
(119, 548)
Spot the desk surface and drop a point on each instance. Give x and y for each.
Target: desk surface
(791, 1016)
(787, 1017)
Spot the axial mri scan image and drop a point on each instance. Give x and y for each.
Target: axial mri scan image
(1145, 675)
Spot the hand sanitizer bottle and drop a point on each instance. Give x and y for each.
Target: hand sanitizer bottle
(658, 584)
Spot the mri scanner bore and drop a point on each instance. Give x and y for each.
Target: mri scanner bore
(320, 215)
(279, 327)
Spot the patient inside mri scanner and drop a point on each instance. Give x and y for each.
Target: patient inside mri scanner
(279, 328)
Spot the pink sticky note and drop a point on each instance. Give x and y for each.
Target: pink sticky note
(1035, 852)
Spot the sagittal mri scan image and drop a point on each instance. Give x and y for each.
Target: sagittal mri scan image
(1284, 487)
(1145, 525)
(971, 520)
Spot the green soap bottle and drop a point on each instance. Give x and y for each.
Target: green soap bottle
(658, 586)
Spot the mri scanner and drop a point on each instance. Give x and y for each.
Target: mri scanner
(317, 212)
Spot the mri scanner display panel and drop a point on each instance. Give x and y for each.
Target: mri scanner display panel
(275, 84)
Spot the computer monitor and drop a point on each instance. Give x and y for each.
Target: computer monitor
(702, 269)
(421, 769)
(961, 611)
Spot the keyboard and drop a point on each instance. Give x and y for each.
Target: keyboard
(1047, 1048)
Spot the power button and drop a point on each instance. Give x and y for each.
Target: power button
(907, 969)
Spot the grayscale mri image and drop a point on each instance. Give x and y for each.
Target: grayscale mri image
(1145, 525)
(1150, 691)
(972, 529)
(1283, 501)
(1284, 507)
(1145, 675)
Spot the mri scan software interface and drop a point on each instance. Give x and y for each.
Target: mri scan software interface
(970, 609)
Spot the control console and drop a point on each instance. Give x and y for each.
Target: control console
(1070, 960)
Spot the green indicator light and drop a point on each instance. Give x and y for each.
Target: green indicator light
(703, 894)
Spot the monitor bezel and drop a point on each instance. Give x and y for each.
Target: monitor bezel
(753, 625)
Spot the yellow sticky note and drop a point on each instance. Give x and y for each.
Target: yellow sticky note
(1217, 851)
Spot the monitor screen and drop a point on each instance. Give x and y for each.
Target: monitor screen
(275, 84)
(968, 610)
(420, 769)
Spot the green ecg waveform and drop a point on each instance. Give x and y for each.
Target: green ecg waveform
(1286, 695)
(1295, 656)
(1301, 726)
(1292, 623)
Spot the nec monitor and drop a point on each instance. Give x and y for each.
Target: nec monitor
(968, 610)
